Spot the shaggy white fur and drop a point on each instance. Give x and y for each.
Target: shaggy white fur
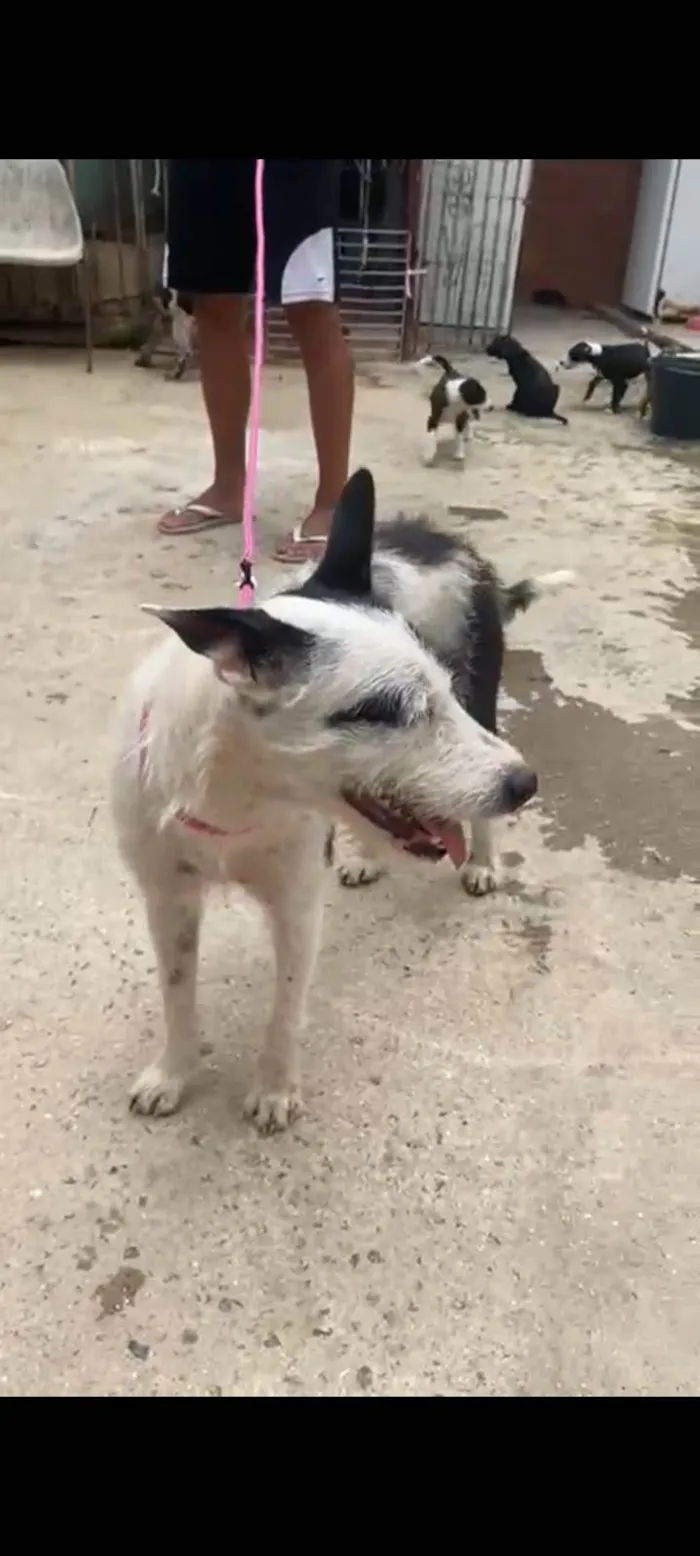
(243, 737)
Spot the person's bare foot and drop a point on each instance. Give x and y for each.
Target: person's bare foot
(307, 540)
(217, 507)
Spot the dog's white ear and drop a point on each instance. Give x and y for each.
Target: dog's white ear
(242, 644)
(346, 564)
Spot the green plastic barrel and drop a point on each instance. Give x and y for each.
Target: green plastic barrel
(675, 397)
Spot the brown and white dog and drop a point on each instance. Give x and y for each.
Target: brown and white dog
(173, 316)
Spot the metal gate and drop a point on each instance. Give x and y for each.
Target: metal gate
(470, 231)
(372, 265)
(372, 258)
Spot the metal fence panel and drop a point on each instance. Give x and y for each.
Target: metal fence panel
(471, 222)
(372, 266)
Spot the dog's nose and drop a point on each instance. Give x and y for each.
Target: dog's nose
(519, 787)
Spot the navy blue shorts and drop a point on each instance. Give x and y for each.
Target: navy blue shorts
(211, 227)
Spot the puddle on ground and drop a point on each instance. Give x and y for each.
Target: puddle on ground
(631, 786)
(536, 936)
(684, 609)
(119, 1290)
(461, 510)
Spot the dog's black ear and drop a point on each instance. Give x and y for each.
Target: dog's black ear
(243, 644)
(346, 564)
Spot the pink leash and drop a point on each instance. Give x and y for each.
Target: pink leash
(246, 586)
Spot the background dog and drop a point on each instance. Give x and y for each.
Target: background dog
(616, 365)
(459, 607)
(536, 393)
(247, 733)
(174, 315)
(455, 401)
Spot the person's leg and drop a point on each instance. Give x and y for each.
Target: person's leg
(211, 255)
(225, 374)
(301, 213)
(212, 246)
(317, 329)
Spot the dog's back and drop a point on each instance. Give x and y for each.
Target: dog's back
(455, 601)
(625, 362)
(440, 583)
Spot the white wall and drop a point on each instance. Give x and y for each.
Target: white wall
(471, 229)
(680, 274)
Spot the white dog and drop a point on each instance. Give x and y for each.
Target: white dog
(250, 732)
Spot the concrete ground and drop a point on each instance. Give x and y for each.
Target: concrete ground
(496, 1187)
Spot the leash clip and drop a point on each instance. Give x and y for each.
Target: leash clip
(246, 582)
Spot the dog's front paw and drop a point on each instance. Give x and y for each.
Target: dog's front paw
(272, 1111)
(478, 879)
(157, 1091)
(357, 871)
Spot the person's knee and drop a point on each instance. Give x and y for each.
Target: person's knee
(221, 311)
(316, 324)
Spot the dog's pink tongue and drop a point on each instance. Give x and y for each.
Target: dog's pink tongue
(452, 838)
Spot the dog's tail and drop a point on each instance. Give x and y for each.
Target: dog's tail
(432, 361)
(520, 596)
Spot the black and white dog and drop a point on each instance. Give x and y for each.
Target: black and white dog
(459, 607)
(247, 733)
(616, 365)
(455, 401)
(536, 393)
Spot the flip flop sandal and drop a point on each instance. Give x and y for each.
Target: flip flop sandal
(299, 547)
(203, 517)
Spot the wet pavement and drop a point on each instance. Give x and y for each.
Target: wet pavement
(495, 1186)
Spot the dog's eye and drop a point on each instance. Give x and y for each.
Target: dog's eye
(387, 708)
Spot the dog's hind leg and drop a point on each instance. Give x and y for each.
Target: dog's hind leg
(182, 324)
(144, 356)
(291, 889)
(618, 394)
(357, 867)
(174, 914)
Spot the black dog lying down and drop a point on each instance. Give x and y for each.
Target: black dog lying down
(536, 393)
(616, 365)
(454, 401)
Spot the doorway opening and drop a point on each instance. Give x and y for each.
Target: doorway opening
(577, 231)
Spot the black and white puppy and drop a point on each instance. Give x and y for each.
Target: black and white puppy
(616, 365)
(455, 401)
(536, 393)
